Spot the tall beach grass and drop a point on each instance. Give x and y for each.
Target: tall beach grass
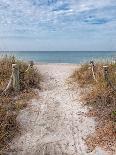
(102, 98)
(11, 103)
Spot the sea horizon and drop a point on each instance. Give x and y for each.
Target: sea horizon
(61, 56)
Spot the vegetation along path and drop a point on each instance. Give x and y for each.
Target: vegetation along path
(56, 122)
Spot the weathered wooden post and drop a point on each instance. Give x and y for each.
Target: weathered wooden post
(106, 73)
(14, 80)
(93, 70)
(31, 63)
(106, 77)
(15, 77)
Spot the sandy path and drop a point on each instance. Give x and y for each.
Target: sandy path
(55, 124)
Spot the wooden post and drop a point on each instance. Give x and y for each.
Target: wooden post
(31, 63)
(106, 75)
(15, 77)
(106, 72)
(93, 70)
(14, 80)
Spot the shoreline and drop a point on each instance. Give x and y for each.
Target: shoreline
(47, 63)
(70, 58)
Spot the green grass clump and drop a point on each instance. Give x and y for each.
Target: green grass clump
(11, 103)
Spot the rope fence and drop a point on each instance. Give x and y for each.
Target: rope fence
(106, 74)
(14, 81)
(93, 70)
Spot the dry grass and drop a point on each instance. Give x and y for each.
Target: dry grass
(83, 75)
(102, 98)
(11, 103)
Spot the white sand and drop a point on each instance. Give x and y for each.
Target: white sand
(55, 124)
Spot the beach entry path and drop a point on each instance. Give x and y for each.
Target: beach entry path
(55, 123)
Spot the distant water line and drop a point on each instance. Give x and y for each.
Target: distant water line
(62, 56)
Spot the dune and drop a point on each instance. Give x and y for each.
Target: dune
(55, 123)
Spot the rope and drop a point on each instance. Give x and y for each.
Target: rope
(106, 75)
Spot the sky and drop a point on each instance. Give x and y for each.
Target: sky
(39, 25)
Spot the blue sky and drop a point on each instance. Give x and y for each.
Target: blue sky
(57, 25)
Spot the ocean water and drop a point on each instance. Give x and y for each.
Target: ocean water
(62, 56)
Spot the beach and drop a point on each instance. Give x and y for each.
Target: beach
(55, 123)
(57, 77)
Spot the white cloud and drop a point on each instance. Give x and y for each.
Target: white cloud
(30, 17)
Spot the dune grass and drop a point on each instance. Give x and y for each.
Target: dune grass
(102, 98)
(98, 90)
(11, 103)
